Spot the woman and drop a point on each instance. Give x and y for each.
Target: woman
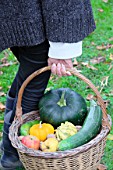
(39, 33)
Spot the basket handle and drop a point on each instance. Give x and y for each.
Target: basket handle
(18, 115)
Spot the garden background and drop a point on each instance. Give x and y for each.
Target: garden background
(96, 63)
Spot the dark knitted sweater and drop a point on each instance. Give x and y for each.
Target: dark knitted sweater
(30, 22)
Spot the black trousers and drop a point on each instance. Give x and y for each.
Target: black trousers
(30, 59)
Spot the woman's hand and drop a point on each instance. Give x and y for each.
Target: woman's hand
(58, 66)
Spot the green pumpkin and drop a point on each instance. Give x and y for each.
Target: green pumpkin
(60, 105)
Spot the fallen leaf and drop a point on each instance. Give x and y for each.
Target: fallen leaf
(2, 94)
(1, 134)
(100, 10)
(1, 121)
(80, 71)
(97, 60)
(106, 1)
(51, 77)
(110, 67)
(75, 62)
(111, 56)
(101, 59)
(111, 39)
(104, 82)
(92, 67)
(111, 93)
(48, 89)
(1, 72)
(88, 66)
(92, 43)
(9, 87)
(6, 54)
(104, 47)
(2, 107)
(5, 65)
(4, 60)
(94, 61)
(0, 88)
(101, 167)
(8, 64)
(106, 102)
(110, 137)
(84, 63)
(90, 97)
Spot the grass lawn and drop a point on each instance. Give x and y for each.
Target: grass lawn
(96, 63)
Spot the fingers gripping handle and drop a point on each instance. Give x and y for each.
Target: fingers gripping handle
(73, 72)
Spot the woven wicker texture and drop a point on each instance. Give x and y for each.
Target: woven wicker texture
(88, 160)
(85, 157)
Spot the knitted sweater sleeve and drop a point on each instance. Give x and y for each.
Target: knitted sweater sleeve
(67, 21)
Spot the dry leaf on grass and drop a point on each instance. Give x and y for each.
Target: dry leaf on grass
(111, 39)
(1, 72)
(75, 62)
(9, 87)
(90, 97)
(1, 134)
(4, 60)
(110, 67)
(5, 65)
(102, 167)
(8, 64)
(111, 93)
(2, 107)
(104, 82)
(6, 54)
(111, 57)
(0, 88)
(104, 47)
(2, 94)
(92, 43)
(110, 137)
(106, 1)
(106, 102)
(48, 89)
(88, 66)
(1, 121)
(97, 60)
(100, 10)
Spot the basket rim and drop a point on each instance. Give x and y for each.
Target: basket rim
(13, 136)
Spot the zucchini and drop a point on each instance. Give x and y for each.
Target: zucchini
(89, 130)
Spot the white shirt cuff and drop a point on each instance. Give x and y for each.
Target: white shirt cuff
(59, 50)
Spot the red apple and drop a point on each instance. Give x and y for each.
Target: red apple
(31, 142)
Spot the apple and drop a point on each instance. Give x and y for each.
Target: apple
(31, 142)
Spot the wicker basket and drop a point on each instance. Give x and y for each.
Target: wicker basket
(85, 157)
